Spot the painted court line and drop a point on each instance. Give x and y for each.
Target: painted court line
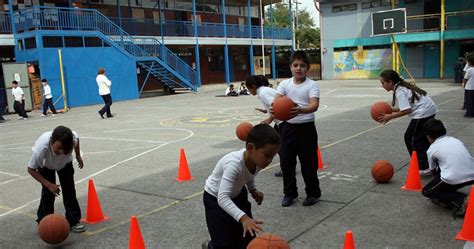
(123, 139)
(9, 174)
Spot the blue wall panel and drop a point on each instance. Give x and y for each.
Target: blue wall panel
(431, 63)
(80, 70)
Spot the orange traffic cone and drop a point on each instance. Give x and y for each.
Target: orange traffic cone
(320, 160)
(349, 241)
(467, 231)
(94, 213)
(183, 172)
(136, 238)
(413, 182)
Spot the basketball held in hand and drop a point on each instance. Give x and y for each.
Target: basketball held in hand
(282, 108)
(379, 109)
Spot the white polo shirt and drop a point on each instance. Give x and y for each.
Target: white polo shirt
(104, 84)
(422, 108)
(47, 92)
(453, 159)
(227, 180)
(266, 96)
(300, 94)
(18, 93)
(469, 76)
(44, 157)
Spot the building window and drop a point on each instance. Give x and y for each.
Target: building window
(20, 45)
(73, 41)
(30, 43)
(93, 42)
(52, 41)
(216, 59)
(345, 7)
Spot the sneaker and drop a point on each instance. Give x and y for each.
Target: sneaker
(279, 174)
(441, 203)
(25, 118)
(43, 115)
(425, 172)
(461, 211)
(287, 201)
(310, 201)
(78, 228)
(205, 244)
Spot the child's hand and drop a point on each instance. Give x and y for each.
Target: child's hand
(385, 118)
(251, 226)
(257, 196)
(79, 160)
(261, 110)
(295, 111)
(54, 189)
(266, 121)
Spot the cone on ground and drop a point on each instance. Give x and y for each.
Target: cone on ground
(413, 182)
(94, 213)
(136, 238)
(320, 160)
(467, 231)
(349, 241)
(183, 171)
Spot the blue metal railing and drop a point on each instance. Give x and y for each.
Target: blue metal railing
(205, 29)
(5, 23)
(52, 18)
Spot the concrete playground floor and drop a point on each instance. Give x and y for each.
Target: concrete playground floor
(133, 160)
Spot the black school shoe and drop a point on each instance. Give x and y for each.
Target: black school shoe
(279, 174)
(287, 201)
(310, 201)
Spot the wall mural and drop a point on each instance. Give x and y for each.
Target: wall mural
(361, 64)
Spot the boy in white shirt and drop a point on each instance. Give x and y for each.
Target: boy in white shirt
(452, 167)
(228, 211)
(52, 154)
(48, 99)
(468, 85)
(19, 104)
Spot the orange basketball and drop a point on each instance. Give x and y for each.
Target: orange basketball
(268, 241)
(242, 130)
(53, 229)
(282, 107)
(382, 171)
(380, 108)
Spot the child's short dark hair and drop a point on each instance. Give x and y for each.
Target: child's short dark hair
(15, 82)
(300, 55)
(470, 59)
(434, 128)
(256, 80)
(261, 135)
(44, 80)
(65, 136)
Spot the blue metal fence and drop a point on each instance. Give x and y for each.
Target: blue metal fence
(51, 18)
(5, 23)
(205, 29)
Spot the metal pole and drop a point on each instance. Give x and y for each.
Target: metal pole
(292, 29)
(441, 59)
(226, 47)
(62, 80)
(296, 25)
(120, 21)
(196, 47)
(262, 16)
(161, 22)
(252, 66)
(273, 42)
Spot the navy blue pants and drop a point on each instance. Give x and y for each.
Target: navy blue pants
(299, 140)
(225, 232)
(68, 191)
(415, 140)
(440, 191)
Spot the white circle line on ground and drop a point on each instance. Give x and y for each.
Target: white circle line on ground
(122, 139)
(9, 174)
(111, 151)
(190, 134)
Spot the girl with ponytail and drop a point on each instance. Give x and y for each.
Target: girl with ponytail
(415, 102)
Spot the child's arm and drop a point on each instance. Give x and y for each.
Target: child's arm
(50, 186)
(251, 226)
(387, 117)
(77, 150)
(312, 107)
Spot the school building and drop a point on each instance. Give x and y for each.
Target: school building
(145, 45)
(438, 32)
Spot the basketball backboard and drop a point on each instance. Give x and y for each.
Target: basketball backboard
(389, 22)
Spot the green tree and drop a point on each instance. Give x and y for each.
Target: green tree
(306, 34)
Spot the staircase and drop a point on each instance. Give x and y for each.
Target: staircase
(148, 53)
